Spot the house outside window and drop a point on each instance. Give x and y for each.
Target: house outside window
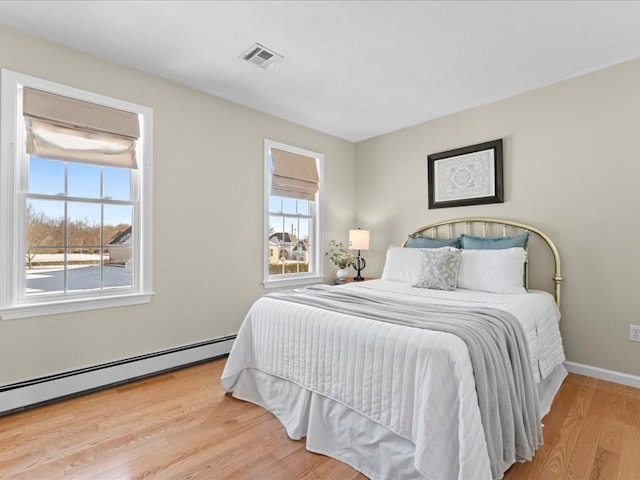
(76, 179)
(293, 192)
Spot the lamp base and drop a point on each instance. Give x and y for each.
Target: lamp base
(359, 266)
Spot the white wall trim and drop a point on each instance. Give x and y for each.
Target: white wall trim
(14, 301)
(317, 274)
(20, 395)
(603, 374)
(74, 305)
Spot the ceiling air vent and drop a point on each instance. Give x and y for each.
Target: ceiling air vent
(261, 56)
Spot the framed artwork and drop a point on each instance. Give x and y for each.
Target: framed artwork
(466, 176)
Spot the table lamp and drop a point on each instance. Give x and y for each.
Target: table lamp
(359, 240)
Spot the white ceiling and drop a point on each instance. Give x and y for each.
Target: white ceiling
(353, 69)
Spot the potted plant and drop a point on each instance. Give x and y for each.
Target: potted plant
(341, 257)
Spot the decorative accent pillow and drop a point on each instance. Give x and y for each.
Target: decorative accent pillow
(494, 243)
(439, 269)
(496, 271)
(416, 241)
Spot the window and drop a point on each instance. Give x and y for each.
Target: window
(293, 189)
(75, 199)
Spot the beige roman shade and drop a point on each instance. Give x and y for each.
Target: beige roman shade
(294, 176)
(64, 128)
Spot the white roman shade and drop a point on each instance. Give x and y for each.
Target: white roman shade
(294, 176)
(64, 128)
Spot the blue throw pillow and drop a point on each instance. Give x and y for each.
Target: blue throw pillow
(494, 243)
(414, 241)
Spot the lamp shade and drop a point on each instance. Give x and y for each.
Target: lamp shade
(359, 239)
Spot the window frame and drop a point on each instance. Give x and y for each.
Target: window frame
(13, 180)
(315, 274)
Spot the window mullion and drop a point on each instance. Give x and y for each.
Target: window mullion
(65, 238)
(298, 244)
(65, 247)
(291, 215)
(101, 246)
(283, 268)
(44, 196)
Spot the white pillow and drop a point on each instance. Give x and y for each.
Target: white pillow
(402, 264)
(405, 264)
(496, 271)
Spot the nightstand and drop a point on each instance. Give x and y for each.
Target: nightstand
(351, 280)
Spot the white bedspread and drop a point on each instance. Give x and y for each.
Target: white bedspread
(417, 383)
(536, 310)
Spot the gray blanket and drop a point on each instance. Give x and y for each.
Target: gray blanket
(507, 393)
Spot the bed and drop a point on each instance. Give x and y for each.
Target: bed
(441, 369)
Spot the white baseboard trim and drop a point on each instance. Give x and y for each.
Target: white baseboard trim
(603, 374)
(18, 396)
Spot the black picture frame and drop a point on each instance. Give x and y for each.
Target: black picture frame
(466, 176)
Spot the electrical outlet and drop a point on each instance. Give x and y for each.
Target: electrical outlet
(634, 333)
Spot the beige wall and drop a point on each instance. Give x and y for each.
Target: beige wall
(572, 168)
(208, 186)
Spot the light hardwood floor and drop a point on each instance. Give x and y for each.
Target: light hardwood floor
(181, 426)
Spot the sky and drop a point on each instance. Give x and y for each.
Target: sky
(83, 180)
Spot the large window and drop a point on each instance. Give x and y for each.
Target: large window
(79, 228)
(75, 173)
(293, 189)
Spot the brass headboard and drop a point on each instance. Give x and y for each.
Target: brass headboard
(470, 226)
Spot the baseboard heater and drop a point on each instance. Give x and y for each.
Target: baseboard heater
(19, 396)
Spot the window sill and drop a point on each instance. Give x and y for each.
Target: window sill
(291, 282)
(73, 305)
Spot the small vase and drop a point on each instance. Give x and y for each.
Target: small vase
(342, 274)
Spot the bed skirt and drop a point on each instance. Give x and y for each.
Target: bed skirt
(337, 431)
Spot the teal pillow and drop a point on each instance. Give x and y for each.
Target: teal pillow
(494, 243)
(415, 241)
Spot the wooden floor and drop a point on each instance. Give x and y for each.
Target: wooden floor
(181, 426)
